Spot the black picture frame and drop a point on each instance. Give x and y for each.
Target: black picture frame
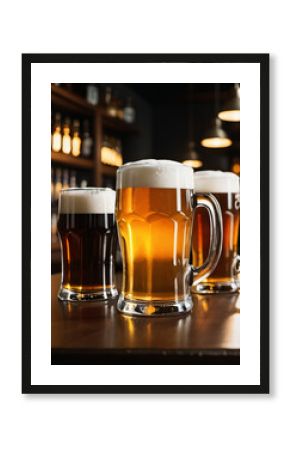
(263, 60)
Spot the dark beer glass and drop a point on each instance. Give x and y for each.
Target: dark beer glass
(154, 212)
(225, 186)
(87, 234)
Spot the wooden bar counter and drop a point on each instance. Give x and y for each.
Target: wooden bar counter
(96, 333)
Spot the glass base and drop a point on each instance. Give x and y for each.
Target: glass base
(73, 296)
(153, 308)
(216, 288)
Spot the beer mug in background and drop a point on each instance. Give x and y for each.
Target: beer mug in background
(87, 233)
(154, 212)
(225, 186)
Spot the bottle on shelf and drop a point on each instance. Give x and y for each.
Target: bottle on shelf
(108, 95)
(65, 179)
(66, 138)
(54, 227)
(73, 179)
(58, 183)
(110, 103)
(129, 112)
(56, 137)
(76, 140)
(109, 181)
(92, 94)
(84, 183)
(87, 141)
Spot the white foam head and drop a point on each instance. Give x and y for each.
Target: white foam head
(216, 181)
(155, 173)
(87, 201)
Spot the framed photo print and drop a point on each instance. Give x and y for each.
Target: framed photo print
(145, 223)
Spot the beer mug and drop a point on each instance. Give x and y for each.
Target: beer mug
(225, 186)
(88, 237)
(154, 213)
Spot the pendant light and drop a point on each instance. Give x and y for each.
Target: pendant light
(191, 156)
(231, 110)
(216, 137)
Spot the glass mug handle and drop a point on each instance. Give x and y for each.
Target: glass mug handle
(210, 203)
(236, 270)
(236, 266)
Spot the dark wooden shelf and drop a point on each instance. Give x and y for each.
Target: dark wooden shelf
(108, 170)
(70, 101)
(115, 124)
(71, 161)
(74, 103)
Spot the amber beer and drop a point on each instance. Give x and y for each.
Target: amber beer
(87, 233)
(154, 217)
(225, 187)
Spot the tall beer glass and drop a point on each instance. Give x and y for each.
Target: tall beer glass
(154, 209)
(87, 234)
(226, 188)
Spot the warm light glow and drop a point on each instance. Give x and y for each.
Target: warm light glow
(236, 168)
(230, 116)
(57, 188)
(130, 325)
(56, 140)
(111, 157)
(195, 163)
(112, 111)
(76, 145)
(216, 142)
(204, 305)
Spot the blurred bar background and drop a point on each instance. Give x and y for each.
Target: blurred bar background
(97, 127)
